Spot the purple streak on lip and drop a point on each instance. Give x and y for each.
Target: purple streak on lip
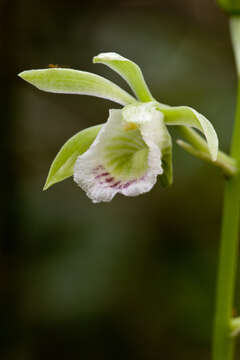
(115, 184)
(109, 179)
(127, 184)
(99, 167)
(101, 175)
(118, 185)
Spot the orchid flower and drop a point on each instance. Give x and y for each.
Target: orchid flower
(133, 148)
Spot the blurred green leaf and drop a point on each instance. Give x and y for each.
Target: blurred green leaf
(231, 6)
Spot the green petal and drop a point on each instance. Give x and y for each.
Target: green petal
(183, 115)
(70, 81)
(63, 164)
(130, 71)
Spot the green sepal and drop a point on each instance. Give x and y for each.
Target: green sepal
(184, 115)
(129, 71)
(69, 81)
(63, 164)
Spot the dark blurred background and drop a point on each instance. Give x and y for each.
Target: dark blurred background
(130, 279)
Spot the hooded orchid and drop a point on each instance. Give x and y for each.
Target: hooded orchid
(133, 148)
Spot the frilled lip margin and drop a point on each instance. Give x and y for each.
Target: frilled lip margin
(124, 158)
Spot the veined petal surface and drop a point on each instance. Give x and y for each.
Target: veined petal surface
(129, 71)
(124, 158)
(69, 81)
(146, 115)
(184, 115)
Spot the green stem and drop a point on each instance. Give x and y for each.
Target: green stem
(223, 343)
(198, 147)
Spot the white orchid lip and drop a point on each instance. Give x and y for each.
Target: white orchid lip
(122, 161)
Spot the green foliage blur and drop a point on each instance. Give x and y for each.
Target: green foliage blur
(231, 6)
(134, 278)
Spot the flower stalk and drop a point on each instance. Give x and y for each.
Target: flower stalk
(223, 342)
(197, 147)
